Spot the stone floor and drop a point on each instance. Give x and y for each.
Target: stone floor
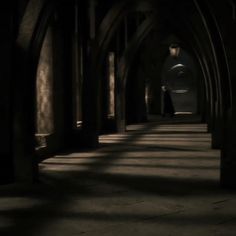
(157, 179)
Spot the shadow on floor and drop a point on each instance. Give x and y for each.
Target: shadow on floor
(26, 210)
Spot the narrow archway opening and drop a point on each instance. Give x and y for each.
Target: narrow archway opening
(179, 75)
(111, 85)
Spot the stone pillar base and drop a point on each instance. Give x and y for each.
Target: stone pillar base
(228, 173)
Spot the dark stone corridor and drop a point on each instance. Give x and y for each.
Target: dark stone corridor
(118, 117)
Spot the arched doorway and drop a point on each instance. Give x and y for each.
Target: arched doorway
(179, 75)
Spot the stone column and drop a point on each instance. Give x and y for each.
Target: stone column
(90, 80)
(217, 127)
(6, 95)
(228, 153)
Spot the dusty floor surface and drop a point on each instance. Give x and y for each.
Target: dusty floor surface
(157, 179)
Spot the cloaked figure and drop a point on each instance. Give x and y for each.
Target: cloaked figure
(168, 107)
